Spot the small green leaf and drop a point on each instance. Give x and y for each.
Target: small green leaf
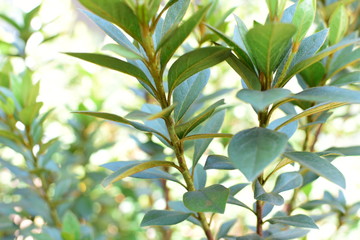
(218, 162)
(237, 188)
(151, 173)
(211, 126)
(272, 197)
(183, 129)
(122, 51)
(343, 61)
(232, 200)
(288, 234)
(116, 118)
(287, 181)
(117, 12)
(163, 113)
(174, 15)
(317, 57)
(303, 18)
(313, 74)
(70, 227)
(112, 31)
(171, 41)
(338, 23)
(240, 53)
(114, 64)
(200, 177)
(121, 174)
(268, 44)
(188, 91)
(254, 149)
(329, 94)
(299, 220)
(261, 99)
(311, 111)
(193, 62)
(347, 151)
(318, 165)
(28, 114)
(225, 228)
(163, 217)
(247, 75)
(209, 199)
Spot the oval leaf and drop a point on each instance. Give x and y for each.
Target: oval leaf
(318, 165)
(253, 149)
(209, 199)
(268, 44)
(163, 217)
(299, 220)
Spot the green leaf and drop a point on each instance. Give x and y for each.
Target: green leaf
(240, 35)
(121, 174)
(237, 188)
(310, 111)
(225, 228)
(343, 61)
(261, 99)
(176, 13)
(310, 205)
(183, 129)
(349, 78)
(151, 173)
(254, 149)
(114, 64)
(288, 129)
(347, 151)
(122, 51)
(291, 233)
(218, 162)
(303, 18)
(70, 227)
(209, 199)
(287, 181)
(172, 41)
(232, 200)
(188, 91)
(200, 177)
(163, 217)
(272, 197)
(317, 57)
(193, 62)
(338, 23)
(240, 53)
(116, 118)
(163, 113)
(318, 165)
(28, 114)
(117, 12)
(268, 44)
(313, 74)
(212, 125)
(112, 31)
(247, 75)
(299, 220)
(329, 94)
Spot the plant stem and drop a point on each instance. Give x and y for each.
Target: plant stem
(155, 69)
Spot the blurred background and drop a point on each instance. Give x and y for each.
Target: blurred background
(50, 175)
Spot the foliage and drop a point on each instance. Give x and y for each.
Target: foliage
(312, 42)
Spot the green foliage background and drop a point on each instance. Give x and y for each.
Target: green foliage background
(50, 180)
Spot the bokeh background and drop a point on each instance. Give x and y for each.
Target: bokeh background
(83, 144)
